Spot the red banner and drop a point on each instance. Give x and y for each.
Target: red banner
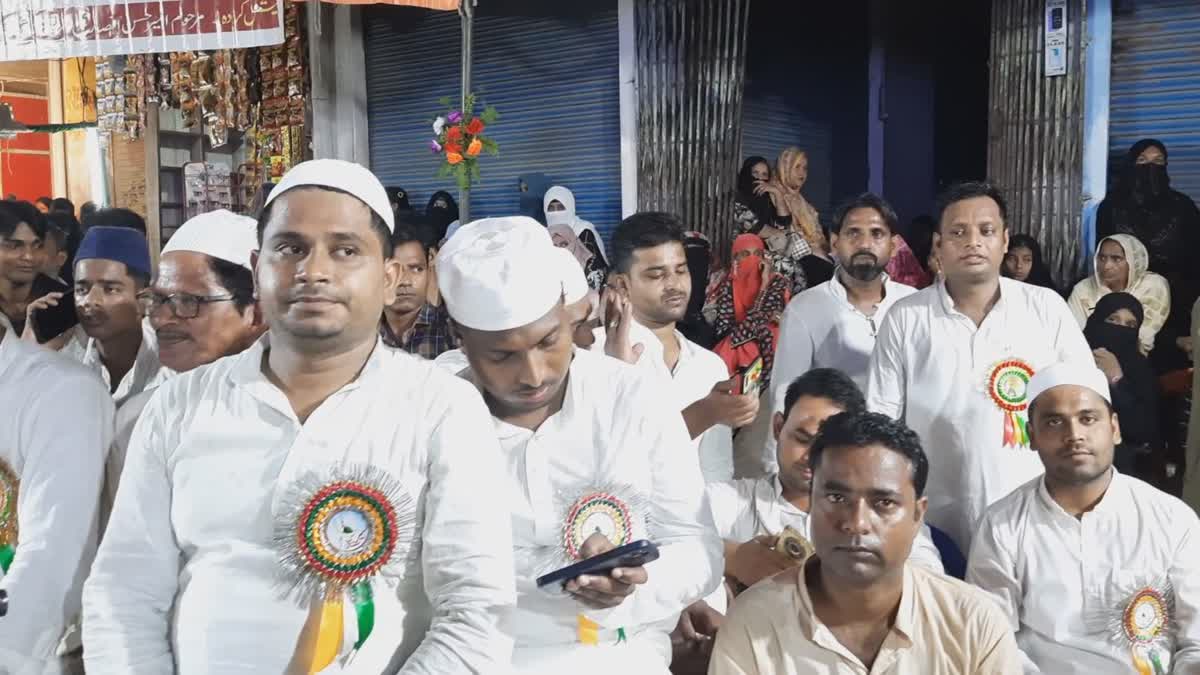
(57, 29)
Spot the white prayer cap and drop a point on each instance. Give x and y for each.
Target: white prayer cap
(1082, 374)
(220, 234)
(574, 283)
(339, 174)
(500, 273)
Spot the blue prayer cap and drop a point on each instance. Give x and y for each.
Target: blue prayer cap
(119, 244)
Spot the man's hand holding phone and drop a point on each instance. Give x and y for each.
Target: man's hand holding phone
(605, 592)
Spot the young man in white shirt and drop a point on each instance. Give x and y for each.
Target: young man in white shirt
(650, 271)
(953, 361)
(111, 267)
(1098, 572)
(834, 324)
(50, 478)
(317, 503)
(857, 606)
(597, 454)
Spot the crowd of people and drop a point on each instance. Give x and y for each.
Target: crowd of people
(349, 437)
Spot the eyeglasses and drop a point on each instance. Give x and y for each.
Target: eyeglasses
(183, 305)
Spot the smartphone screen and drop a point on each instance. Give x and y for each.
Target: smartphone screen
(51, 322)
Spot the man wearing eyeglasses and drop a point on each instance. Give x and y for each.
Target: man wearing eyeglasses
(201, 308)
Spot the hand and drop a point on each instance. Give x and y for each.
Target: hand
(1184, 343)
(731, 407)
(617, 310)
(605, 592)
(756, 560)
(1107, 362)
(763, 187)
(768, 268)
(47, 300)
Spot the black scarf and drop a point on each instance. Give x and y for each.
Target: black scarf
(760, 205)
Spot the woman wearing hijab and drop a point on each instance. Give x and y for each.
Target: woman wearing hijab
(441, 213)
(748, 307)
(1112, 332)
(1023, 262)
(398, 197)
(594, 267)
(694, 326)
(791, 208)
(1168, 223)
(904, 267)
(559, 203)
(1120, 266)
(752, 209)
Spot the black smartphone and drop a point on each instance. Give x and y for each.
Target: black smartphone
(634, 554)
(51, 322)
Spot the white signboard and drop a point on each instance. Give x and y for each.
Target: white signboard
(1056, 37)
(58, 29)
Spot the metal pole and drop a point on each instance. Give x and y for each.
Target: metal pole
(466, 10)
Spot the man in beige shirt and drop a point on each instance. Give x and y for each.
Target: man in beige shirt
(856, 608)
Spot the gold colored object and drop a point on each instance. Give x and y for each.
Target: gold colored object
(8, 505)
(794, 545)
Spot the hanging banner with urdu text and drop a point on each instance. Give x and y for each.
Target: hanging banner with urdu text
(59, 29)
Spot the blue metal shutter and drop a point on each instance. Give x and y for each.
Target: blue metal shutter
(554, 82)
(772, 123)
(1156, 85)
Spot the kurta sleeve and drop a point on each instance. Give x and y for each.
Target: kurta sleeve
(1078, 305)
(1155, 297)
(924, 553)
(1186, 582)
(1068, 335)
(691, 561)
(794, 354)
(886, 374)
(991, 567)
(128, 598)
(57, 502)
(998, 652)
(467, 553)
(733, 653)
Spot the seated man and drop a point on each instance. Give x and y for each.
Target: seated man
(597, 456)
(856, 606)
(751, 513)
(1097, 571)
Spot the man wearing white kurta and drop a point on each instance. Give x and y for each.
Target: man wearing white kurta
(1098, 572)
(56, 432)
(834, 324)
(200, 307)
(111, 267)
(597, 454)
(206, 539)
(650, 270)
(953, 361)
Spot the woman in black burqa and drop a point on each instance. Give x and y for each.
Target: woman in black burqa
(1168, 223)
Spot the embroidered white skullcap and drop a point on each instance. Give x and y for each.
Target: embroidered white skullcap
(1081, 374)
(500, 273)
(220, 234)
(574, 283)
(339, 174)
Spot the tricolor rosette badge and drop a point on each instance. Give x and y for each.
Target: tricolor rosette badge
(1008, 388)
(335, 533)
(1138, 621)
(8, 515)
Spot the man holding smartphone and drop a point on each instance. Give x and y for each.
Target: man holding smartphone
(598, 458)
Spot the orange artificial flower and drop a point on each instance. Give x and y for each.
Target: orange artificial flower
(453, 157)
(475, 127)
(474, 148)
(456, 148)
(454, 133)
